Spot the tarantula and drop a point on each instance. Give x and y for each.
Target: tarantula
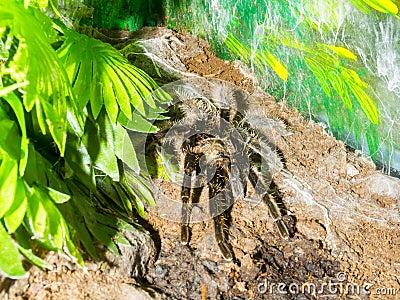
(223, 140)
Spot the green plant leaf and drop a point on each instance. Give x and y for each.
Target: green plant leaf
(15, 215)
(114, 222)
(327, 68)
(57, 228)
(73, 251)
(319, 74)
(385, 6)
(57, 196)
(36, 62)
(124, 149)
(44, 220)
(10, 140)
(18, 109)
(342, 52)
(34, 259)
(116, 77)
(141, 187)
(36, 168)
(36, 218)
(341, 89)
(134, 198)
(139, 205)
(358, 88)
(73, 212)
(79, 162)
(8, 183)
(164, 166)
(139, 124)
(262, 58)
(101, 75)
(10, 264)
(25, 248)
(4, 91)
(121, 239)
(99, 141)
(266, 58)
(103, 234)
(123, 198)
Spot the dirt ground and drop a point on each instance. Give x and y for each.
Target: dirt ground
(345, 241)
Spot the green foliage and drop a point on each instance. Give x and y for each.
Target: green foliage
(316, 70)
(68, 103)
(260, 58)
(351, 92)
(385, 6)
(10, 264)
(100, 74)
(33, 49)
(326, 62)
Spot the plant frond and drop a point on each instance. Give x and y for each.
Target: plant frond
(101, 76)
(385, 6)
(261, 58)
(32, 60)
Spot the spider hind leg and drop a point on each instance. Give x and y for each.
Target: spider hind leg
(190, 166)
(261, 183)
(217, 170)
(189, 195)
(220, 202)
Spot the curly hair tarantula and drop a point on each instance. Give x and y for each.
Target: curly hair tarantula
(221, 140)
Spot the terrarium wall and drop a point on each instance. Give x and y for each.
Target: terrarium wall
(336, 61)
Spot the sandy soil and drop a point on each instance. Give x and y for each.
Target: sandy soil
(344, 214)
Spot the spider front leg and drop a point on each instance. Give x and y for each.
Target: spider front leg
(260, 182)
(190, 166)
(220, 201)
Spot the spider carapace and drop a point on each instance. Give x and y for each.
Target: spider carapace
(223, 140)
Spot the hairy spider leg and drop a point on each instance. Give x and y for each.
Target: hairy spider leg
(220, 194)
(190, 160)
(190, 195)
(259, 182)
(221, 197)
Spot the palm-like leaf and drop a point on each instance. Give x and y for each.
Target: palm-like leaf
(385, 6)
(102, 76)
(261, 58)
(38, 204)
(36, 63)
(324, 61)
